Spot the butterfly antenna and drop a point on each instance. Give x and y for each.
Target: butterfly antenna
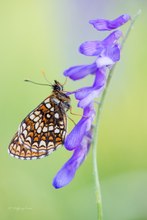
(40, 84)
(64, 82)
(44, 75)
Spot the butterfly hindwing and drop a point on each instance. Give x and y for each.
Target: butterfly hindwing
(41, 132)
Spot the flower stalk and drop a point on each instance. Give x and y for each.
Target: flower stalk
(95, 137)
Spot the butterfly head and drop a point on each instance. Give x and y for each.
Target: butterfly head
(57, 86)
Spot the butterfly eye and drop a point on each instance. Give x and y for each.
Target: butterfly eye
(57, 88)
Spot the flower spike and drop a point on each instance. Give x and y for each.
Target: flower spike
(106, 53)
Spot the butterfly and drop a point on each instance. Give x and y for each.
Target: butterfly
(44, 129)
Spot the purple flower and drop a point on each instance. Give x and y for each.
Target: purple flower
(86, 95)
(108, 25)
(99, 48)
(67, 172)
(79, 72)
(106, 53)
(80, 140)
(75, 137)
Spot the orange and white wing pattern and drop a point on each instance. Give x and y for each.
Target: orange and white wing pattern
(41, 132)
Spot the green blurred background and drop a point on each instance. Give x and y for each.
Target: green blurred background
(38, 35)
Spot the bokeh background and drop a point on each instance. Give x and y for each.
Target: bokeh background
(38, 35)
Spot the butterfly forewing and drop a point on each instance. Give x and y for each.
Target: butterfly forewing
(41, 132)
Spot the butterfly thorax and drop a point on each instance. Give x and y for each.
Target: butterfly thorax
(60, 97)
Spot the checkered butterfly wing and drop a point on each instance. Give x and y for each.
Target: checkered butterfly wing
(41, 132)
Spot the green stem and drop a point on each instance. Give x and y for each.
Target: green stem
(95, 137)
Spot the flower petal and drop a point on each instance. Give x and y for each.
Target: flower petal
(112, 55)
(86, 95)
(108, 25)
(83, 92)
(104, 61)
(87, 100)
(112, 38)
(74, 138)
(79, 72)
(91, 48)
(99, 48)
(67, 172)
(100, 79)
